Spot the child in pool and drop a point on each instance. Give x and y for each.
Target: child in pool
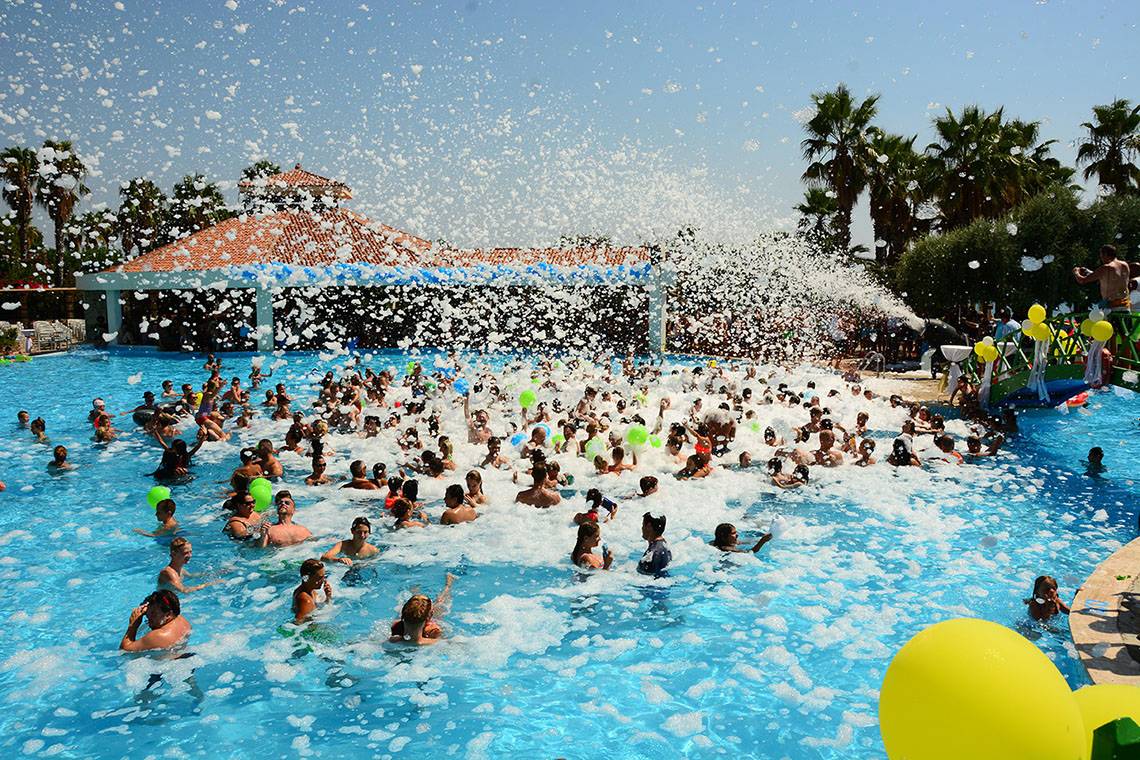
(416, 624)
(1045, 603)
(726, 539)
(305, 595)
(167, 525)
(589, 536)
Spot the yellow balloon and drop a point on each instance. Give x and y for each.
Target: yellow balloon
(1102, 330)
(1105, 703)
(1086, 327)
(1041, 332)
(980, 348)
(1037, 314)
(974, 689)
(991, 354)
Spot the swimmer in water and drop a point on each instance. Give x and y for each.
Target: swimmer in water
(866, 448)
(359, 471)
(240, 524)
(457, 508)
(59, 461)
(306, 598)
(589, 536)
(1045, 603)
(726, 539)
(595, 502)
(284, 532)
(173, 575)
(475, 488)
(163, 615)
(39, 430)
(1095, 463)
(318, 477)
(176, 457)
(417, 624)
(167, 525)
(974, 448)
(648, 485)
(657, 555)
(539, 494)
(355, 548)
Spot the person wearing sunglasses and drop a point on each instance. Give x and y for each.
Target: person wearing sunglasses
(240, 525)
(284, 532)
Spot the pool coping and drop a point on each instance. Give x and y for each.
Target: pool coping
(1105, 618)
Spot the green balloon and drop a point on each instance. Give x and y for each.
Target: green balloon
(527, 399)
(262, 492)
(637, 435)
(157, 494)
(558, 439)
(411, 368)
(655, 442)
(595, 447)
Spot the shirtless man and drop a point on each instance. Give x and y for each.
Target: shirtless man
(478, 423)
(538, 495)
(163, 614)
(284, 532)
(360, 481)
(356, 547)
(458, 508)
(172, 575)
(826, 454)
(305, 595)
(318, 476)
(1113, 277)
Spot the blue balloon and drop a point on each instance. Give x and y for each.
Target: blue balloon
(461, 386)
(517, 439)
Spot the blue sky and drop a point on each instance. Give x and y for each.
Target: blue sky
(514, 122)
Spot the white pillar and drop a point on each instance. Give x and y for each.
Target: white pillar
(264, 319)
(114, 315)
(656, 291)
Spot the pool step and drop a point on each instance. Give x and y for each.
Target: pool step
(1105, 619)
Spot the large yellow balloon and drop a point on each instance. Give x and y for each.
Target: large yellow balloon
(1086, 327)
(1037, 314)
(1102, 330)
(973, 689)
(1105, 703)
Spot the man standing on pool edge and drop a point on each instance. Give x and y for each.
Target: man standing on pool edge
(164, 616)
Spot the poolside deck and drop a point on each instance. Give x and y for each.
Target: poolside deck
(1105, 619)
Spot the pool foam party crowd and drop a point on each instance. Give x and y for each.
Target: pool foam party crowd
(349, 485)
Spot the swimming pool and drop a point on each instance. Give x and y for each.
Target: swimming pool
(777, 655)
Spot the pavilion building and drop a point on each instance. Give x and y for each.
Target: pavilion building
(296, 261)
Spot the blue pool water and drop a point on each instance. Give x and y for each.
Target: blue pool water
(777, 655)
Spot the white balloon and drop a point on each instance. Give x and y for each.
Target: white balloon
(988, 340)
(1096, 315)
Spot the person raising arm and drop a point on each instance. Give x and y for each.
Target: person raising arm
(163, 615)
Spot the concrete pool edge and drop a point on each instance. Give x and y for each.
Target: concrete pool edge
(1105, 618)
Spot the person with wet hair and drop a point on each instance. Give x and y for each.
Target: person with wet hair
(726, 539)
(539, 494)
(359, 472)
(167, 525)
(417, 624)
(163, 615)
(59, 461)
(648, 485)
(319, 475)
(657, 555)
(284, 532)
(458, 509)
(901, 454)
(589, 536)
(355, 548)
(1045, 603)
(305, 597)
(173, 575)
(475, 493)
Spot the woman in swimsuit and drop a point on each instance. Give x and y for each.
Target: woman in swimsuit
(240, 523)
(589, 536)
(176, 457)
(475, 488)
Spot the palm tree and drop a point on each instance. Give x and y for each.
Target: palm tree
(836, 148)
(89, 239)
(142, 216)
(195, 205)
(19, 170)
(1112, 147)
(262, 168)
(986, 165)
(817, 216)
(900, 182)
(59, 186)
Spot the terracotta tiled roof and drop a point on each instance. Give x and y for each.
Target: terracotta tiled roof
(303, 238)
(297, 179)
(560, 257)
(339, 236)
